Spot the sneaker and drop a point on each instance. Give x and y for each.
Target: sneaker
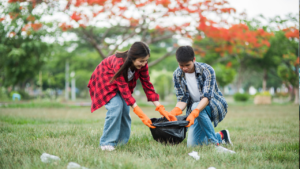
(221, 149)
(226, 137)
(107, 148)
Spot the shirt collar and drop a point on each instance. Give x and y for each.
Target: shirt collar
(198, 69)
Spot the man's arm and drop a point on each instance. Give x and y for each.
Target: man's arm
(202, 104)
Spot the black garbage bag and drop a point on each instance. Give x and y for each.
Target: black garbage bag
(172, 132)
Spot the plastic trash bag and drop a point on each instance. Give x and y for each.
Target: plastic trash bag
(173, 132)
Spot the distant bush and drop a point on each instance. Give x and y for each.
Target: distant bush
(3, 95)
(266, 93)
(281, 94)
(243, 97)
(24, 95)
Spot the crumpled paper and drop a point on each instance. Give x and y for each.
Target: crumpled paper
(195, 155)
(73, 165)
(47, 158)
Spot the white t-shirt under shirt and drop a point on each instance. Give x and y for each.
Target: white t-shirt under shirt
(193, 86)
(130, 74)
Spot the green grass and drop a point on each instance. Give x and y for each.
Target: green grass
(35, 104)
(263, 137)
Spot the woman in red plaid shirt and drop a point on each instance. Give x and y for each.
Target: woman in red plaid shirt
(112, 84)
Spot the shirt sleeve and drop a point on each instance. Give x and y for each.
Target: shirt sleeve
(123, 85)
(209, 78)
(181, 94)
(147, 85)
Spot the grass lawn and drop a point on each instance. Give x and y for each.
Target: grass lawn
(263, 137)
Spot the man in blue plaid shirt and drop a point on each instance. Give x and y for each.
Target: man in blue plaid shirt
(196, 89)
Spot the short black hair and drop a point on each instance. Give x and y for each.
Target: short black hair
(185, 54)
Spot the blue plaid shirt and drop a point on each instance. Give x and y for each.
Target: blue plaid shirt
(206, 80)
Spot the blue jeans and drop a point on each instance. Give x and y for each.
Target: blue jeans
(117, 122)
(202, 131)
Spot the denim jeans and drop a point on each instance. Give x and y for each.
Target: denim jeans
(202, 131)
(117, 122)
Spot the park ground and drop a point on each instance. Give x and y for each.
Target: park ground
(263, 137)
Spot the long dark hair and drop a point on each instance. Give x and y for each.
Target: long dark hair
(137, 50)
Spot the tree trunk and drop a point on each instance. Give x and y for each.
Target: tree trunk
(291, 92)
(265, 78)
(240, 77)
(296, 92)
(67, 81)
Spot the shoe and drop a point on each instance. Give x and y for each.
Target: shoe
(221, 149)
(107, 148)
(226, 137)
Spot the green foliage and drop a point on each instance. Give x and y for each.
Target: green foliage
(225, 75)
(287, 73)
(3, 94)
(162, 81)
(24, 95)
(22, 52)
(243, 97)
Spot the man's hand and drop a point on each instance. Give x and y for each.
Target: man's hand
(191, 118)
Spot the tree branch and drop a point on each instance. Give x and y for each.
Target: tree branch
(124, 39)
(92, 41)
(161, 58)
(104, 35)
(159, 39)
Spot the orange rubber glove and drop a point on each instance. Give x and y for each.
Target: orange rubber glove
(162, 111)
(176, 111)
(191, 118)
(138, 111)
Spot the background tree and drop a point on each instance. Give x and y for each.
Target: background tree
(22, 49)
(111, 25)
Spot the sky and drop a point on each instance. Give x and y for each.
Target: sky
(269, 8)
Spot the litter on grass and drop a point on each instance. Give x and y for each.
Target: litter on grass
(221, 149)
(73, 165)
(47, 158)
(195, 155)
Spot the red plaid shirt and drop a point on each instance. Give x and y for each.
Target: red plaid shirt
(101, 90)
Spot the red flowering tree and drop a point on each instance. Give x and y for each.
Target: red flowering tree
(239, 42)
(108, 25)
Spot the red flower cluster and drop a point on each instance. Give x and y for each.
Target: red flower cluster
(291, 32)
(93, 2)
(30, 18)
(75, 16)
(65, 27)
(235, 38)
(164, 3)
(34, 26)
